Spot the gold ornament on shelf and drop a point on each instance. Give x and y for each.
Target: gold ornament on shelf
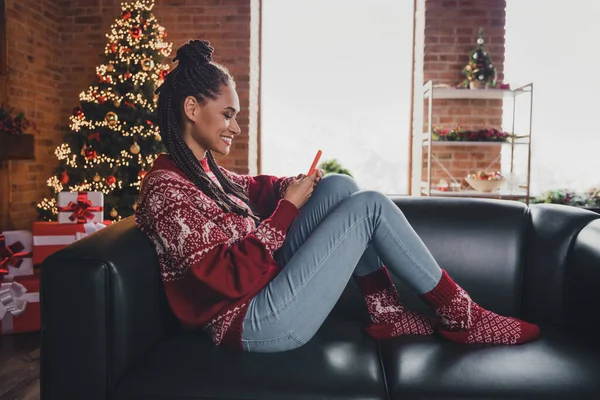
(96, 178)
(135, 148)
(110, 68)
(158, 137)
(147, 64)
(117, 102)
(114, 213)
(111, 118)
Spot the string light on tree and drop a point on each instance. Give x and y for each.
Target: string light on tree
(116, 111)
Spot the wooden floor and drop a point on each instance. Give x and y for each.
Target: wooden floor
(20, 367)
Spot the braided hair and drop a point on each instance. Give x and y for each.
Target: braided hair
(198, 76)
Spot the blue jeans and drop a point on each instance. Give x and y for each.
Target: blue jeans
(339, 232)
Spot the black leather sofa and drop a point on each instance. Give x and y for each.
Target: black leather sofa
(108, 333)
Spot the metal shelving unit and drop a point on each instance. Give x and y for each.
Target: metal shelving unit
(431, 93)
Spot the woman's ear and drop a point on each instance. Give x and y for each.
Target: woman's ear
(190, 108)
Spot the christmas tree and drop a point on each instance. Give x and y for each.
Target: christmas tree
(480, 71)
(114, 135)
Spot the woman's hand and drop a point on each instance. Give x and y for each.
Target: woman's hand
(318, 172)
(299, 191)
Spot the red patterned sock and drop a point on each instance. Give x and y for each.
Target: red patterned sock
(389, 317)
(464, 321)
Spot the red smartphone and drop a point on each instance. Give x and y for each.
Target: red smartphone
(315, 162)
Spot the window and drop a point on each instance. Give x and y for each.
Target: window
(336, 76)
(554, 45)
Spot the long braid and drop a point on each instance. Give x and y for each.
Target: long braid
(196, 76)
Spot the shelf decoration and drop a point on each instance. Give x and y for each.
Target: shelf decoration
(486, 181)
(480, 135)
(480, 71)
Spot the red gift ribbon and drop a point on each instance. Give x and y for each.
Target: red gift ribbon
(11, 255)
(82, 209)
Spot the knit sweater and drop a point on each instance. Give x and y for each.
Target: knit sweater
(212, 263)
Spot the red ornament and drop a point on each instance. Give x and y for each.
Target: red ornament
(130, 104)
(126, 14)
(163, 74)
(101, 99)
(78, 111)
(135, 32)
(149, 122)
(110, 180)
(114, 47)
(127, 75)
(64, 177)
(90, 153)
(142, 174)
(94, 135)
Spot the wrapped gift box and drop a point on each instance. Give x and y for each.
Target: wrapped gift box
(15, 253)
(20, 305)
(49, 237)
(80, 207)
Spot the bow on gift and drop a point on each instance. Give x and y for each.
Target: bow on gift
(82, 209)
(11, 255)
(89, 228)
(13, 299)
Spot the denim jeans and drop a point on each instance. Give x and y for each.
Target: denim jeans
(339, 232)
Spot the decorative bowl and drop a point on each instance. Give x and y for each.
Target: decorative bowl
(485, 185)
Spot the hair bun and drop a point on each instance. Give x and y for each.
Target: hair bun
(195, 52)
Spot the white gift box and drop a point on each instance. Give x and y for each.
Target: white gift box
(80, 207)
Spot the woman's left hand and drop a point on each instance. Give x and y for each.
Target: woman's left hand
(318, 171)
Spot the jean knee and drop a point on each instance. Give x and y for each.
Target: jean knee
(339, 183)
(371, 196)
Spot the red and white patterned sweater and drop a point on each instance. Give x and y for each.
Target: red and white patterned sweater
(212, 263)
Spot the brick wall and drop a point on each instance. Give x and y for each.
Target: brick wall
(35, 79)
(450, 32)
(55, 49)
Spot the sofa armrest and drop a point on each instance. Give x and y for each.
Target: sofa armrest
(103, 308)
(583, 294)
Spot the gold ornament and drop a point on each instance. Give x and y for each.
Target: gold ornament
(83, 149)
(97, 178)
(110, 68)
(111, 118)
(135, 148)
(113, 213)
(158, 137)
(117, 102)
(147, 64)
(134, 206)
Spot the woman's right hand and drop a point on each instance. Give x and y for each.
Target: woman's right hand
(300, 190)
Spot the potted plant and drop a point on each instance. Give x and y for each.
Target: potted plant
(16, 144)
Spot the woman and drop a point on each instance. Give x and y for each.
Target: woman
(258, 261)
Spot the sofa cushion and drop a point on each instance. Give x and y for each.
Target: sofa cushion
(556, 366)
(340, 362)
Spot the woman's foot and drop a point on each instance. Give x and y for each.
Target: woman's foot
(400, 322)
(389, 318)
(464, 321)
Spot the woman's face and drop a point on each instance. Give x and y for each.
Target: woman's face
(211, 126)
